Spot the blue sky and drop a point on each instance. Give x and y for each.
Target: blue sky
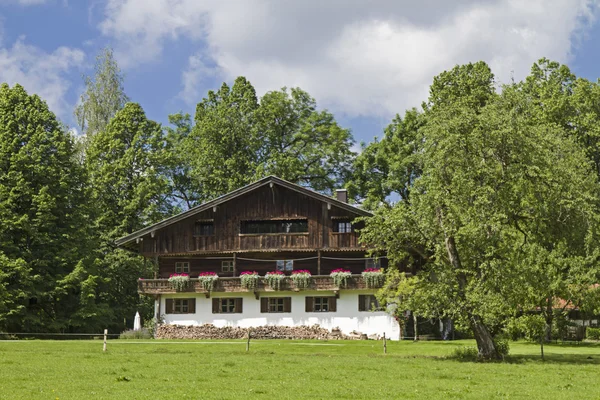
(364, 61)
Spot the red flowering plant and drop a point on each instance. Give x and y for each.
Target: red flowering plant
(301, 278)
(179, 282)
(274, 279)
(208, 280)
(373, 277)
(340, 277)
(249, 279)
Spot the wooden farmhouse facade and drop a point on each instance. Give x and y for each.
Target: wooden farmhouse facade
(270, 226)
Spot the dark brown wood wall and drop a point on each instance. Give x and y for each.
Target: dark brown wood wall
(263, 203)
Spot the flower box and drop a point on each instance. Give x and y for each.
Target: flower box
(373, 277)
(274, 279)
(179, 282)
(208, 280)
(340, 277)
(249, 279)
(301, 278)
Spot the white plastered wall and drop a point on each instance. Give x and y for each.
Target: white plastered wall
(347, 317)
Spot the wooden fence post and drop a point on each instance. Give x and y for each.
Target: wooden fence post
(105, 333)
(384, 344)
(248, 342)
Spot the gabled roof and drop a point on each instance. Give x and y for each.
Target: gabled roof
(232, 195)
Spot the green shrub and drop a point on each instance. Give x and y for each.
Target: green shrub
(465, 353)
(143, 333)
(592, 333)
(502, 346)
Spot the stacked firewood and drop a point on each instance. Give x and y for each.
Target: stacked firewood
(209, 331)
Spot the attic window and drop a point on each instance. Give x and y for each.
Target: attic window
(204, 228)
(273, 226)
(342, 226)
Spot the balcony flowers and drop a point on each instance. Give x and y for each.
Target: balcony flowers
(274, 279)
(179, 282)
(301, 278)
(208, 280)
(373, 277)
(249, 279)
(340, 277)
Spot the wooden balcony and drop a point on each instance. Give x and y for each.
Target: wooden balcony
(234, 285)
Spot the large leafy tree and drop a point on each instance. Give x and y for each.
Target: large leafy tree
(500, 193)
(299, 143)
(237, 139)
(42, 211)
(388, 167)
(125, 164)
(104, 95)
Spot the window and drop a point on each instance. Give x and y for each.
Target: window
(180, 306)
(368, 302)
(276, 304)
(227, 266)
(227, 305)
(182, 267)
(266, 227)
(372, 263)
(285, 265)
(321, 304)
(204, 228)
(342, 226)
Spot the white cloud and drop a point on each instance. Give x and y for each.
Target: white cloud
(40, 72)
(357, 57)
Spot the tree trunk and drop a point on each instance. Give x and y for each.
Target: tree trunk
(549, 317)
(416, 329)
(483, 337)
(485, 341)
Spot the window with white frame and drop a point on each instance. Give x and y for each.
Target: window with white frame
(321, 304)
(182, 267)
(227, 266)
(342, 226)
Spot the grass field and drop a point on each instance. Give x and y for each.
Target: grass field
(35, 369)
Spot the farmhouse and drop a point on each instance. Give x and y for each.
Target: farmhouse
(292, 237)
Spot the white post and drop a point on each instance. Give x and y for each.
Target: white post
(105, 333)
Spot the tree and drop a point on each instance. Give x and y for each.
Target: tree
(495, 185)
(183, 189)
(125, 164)
(236, 140)
(42, 219)
(103, 97)
(222, 145)
(389, 166)
(301, 144)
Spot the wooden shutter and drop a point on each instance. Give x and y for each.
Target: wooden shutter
(264, 305)
(309, 304)
(332, 304)
(191, 306)
(169, 306)
(361, 302)
(287, 304)
(216, 305)
(238, 306)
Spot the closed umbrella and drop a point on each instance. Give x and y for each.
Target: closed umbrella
(137, 322)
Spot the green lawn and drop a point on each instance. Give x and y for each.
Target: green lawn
(35, 369)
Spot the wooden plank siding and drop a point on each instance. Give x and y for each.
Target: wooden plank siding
(264, 203)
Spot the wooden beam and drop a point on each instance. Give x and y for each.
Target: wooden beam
(234, 264)
(318, 262)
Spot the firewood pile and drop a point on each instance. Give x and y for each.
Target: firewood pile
(210, 331)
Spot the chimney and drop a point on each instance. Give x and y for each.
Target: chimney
(341, 195)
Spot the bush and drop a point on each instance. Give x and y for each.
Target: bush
(592, 333)
(143, 333)
(502, 346)
(465, 353)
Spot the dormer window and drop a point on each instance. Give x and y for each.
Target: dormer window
(342, 226)
(204, 228)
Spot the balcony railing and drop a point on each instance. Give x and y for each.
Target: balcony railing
(233, 285)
